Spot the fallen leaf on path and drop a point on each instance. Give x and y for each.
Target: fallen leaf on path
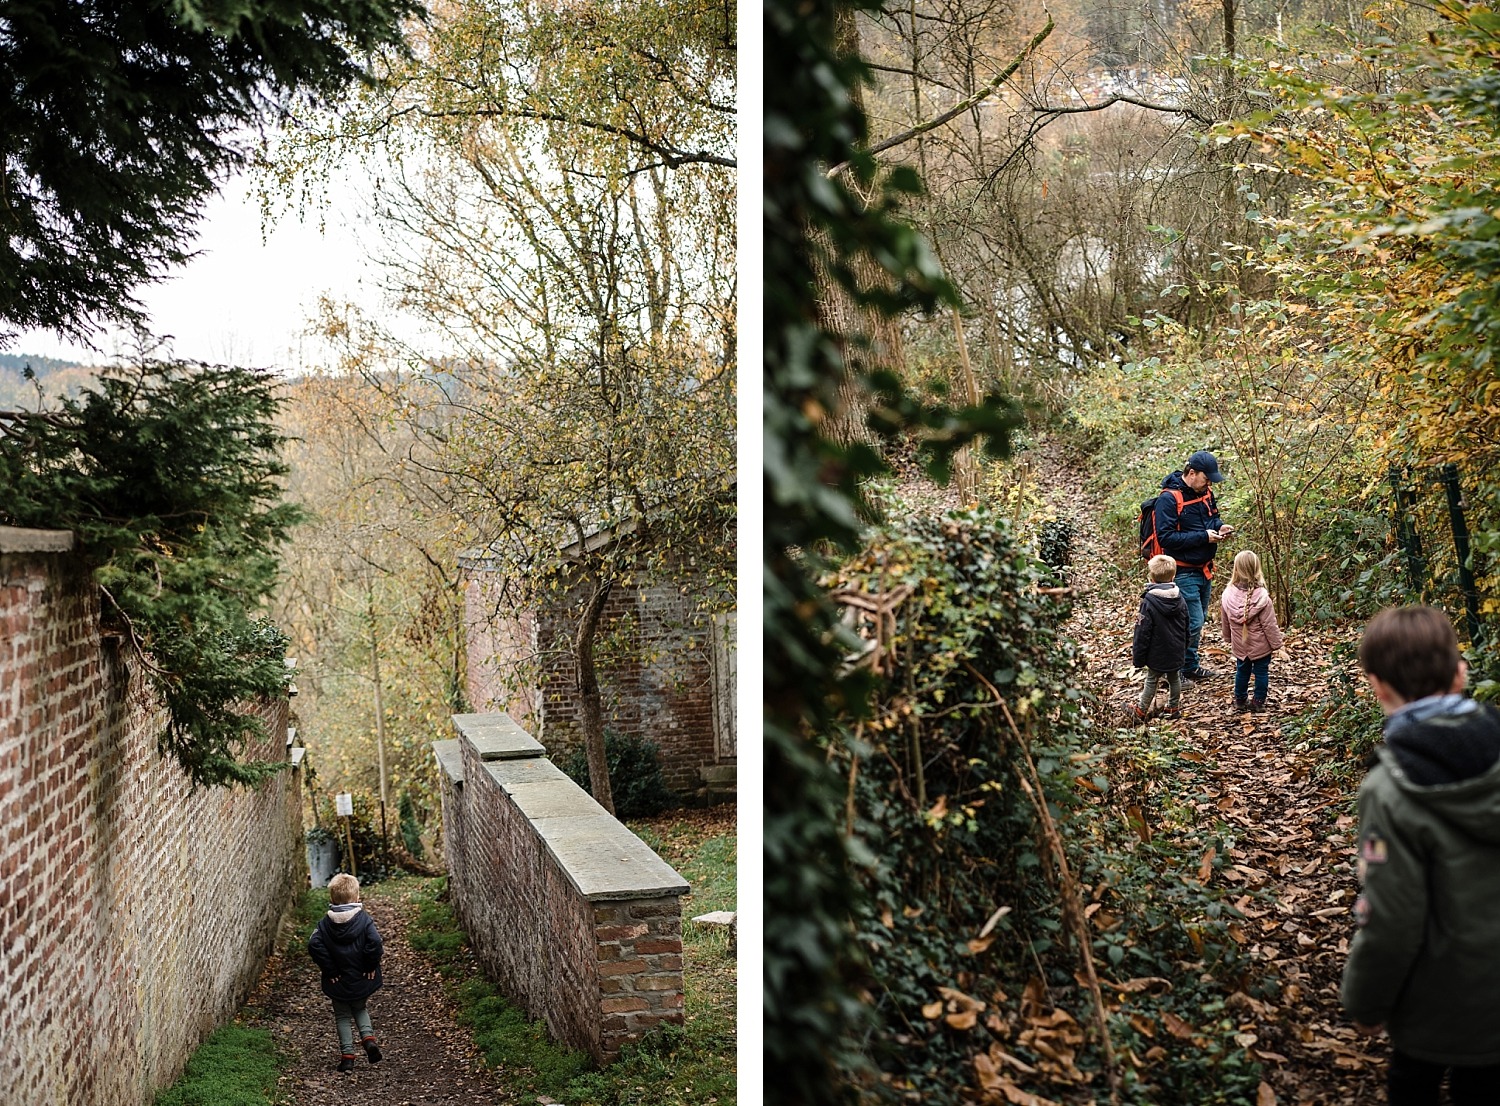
(1176, 1026)
(1206, 866)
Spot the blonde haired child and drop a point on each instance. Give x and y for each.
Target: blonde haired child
(347, 948)
(1247, 619)
(1160, 641)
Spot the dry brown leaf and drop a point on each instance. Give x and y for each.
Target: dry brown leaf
(992, 1082)
(1176, 1026)
(1006, 1058)
(932, 1011)
(964, 1019)
(1206, 865)
(989, 926)
(1134, 986)
(987, 1072)
(1017, 1097)
(1264, 1095)
(961, 1001)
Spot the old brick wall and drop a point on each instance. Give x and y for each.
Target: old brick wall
(575, 919)
(134, 914)
(655, 673)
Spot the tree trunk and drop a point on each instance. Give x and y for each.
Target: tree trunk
(868, 339)
(588, 695)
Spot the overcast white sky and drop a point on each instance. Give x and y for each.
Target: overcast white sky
(243, 300)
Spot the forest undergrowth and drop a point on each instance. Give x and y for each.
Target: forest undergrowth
(1208, 859)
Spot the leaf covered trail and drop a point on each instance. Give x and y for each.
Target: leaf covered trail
(428, 1058)
(1290, 869)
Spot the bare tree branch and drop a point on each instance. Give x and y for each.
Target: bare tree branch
(1173, 109)
(670, 155)
(963, 105)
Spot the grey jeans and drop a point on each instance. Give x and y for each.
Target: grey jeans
(348, 1015)
(1153, 680)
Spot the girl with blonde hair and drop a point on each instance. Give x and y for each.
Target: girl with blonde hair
(1247, 619)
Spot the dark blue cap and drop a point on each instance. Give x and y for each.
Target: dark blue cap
(1206, 463)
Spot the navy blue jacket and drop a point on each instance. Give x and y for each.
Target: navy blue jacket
(1184, 537)
(1161, 631)
(346, 952)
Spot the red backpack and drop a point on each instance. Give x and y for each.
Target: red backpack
(1150, 546)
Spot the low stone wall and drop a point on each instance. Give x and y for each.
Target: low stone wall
(571, 914)
(135, 914)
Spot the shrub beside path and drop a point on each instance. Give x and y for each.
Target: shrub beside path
(428, 1057)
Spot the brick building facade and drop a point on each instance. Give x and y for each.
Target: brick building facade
(666, 669)
(135, 914)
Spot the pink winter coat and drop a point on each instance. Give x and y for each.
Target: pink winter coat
(1248, 621)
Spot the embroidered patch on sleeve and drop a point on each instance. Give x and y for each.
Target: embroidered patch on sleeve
(1361, 911)
(1372, 850)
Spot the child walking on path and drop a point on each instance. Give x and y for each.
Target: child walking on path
(1425, 959)
(1248, 621)
(1161, 635)
(347, 948)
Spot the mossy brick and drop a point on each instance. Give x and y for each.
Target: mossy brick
(671, 982)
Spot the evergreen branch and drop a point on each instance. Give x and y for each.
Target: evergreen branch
(135, 638)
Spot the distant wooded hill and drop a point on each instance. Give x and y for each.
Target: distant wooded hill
(55, 377)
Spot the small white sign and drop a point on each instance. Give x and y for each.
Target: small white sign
(343, 804)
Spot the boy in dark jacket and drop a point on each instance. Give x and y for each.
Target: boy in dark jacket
(347, 947)
(1161, 634)
(1425, 959)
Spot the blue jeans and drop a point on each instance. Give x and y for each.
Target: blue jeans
(1243, 670)
(1195, 588)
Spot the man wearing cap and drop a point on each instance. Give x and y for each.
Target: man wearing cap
(1189, 530)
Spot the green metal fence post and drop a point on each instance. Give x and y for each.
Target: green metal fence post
(1461, 547)
(1406, 534)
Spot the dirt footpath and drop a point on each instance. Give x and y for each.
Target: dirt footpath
(428, 1057)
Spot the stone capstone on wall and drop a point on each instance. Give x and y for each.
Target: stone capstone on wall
(571, 914)
(135, 913)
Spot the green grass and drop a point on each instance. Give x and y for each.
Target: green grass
(688, 1065)
(237, 1066)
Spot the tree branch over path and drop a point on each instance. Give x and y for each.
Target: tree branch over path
(1172, 109)
(963, 105)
